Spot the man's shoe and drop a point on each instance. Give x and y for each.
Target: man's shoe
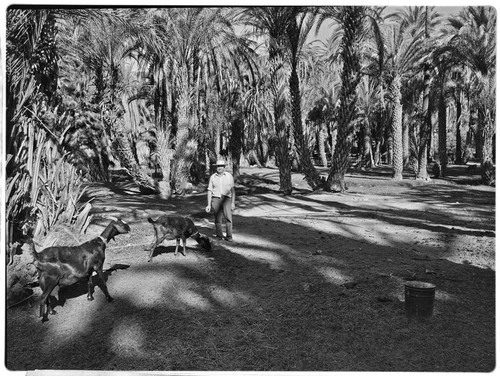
(218, 237)
(228, 238)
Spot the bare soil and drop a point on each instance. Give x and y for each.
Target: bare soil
(312, 282)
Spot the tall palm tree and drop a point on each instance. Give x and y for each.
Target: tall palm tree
(289, 26)
(444, 61)
(422, 20)
(297, 29)
(403, 50)
(272, 22)
(353, 21)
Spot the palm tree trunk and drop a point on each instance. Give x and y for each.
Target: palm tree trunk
(458, 143)
(486, 127)
(261, 153)
(376, 154)
(406, 140)
(127, 160)
(312, 176)
(422, 173)
(185, 147)
(282, 149)
(236, 145)
(397, 130)
(165, 153)
(443, 155)
(348, 97)
(426, 127)
(279, 95)
(321, 144)
(486, 130)
(367, 160)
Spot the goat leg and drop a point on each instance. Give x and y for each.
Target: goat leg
(47, 284)
(155, 244)
(104, 285)
(177, 241)
(184, 247)
(44, 308)
(90, 284)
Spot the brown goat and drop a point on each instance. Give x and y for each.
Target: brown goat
(64, 265)
(175, 227)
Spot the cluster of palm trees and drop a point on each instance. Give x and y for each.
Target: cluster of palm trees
(176, 88)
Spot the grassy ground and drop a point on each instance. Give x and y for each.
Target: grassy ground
(313, 282)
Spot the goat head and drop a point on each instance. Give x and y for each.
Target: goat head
(114, 228)
(204, 241)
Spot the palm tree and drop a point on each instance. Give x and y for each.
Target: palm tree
(289, 26)
(421, 20)
(444, 61)
(353, 21)
(430, 18)
(31, 63)
(320, 89)
(460, 91)
(256, 101)
(402, 52)
(297, 29)
(368, 103)
(100, 42)
(475, 45)
(272, 22)
(192, 52)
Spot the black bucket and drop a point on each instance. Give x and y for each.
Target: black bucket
(419, 299)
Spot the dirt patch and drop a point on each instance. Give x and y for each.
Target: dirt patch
(313, 282)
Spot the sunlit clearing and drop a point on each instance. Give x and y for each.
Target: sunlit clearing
(251, 240)
(355, 232)
(485, 263)
(333, 275)
(65, 330)
(127, 338)
(229, 298)
(159, 288)
(193, 300)
(155, 287)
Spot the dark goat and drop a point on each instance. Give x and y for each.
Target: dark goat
(64, 265)
(176, 227)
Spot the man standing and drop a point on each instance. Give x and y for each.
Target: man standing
(221, 198)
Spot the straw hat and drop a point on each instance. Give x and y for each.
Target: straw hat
(220, 162)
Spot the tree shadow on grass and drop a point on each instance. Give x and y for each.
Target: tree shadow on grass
(448, 209)
(235, 310)
(81, 287)
(279, 305)
(163, 250)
